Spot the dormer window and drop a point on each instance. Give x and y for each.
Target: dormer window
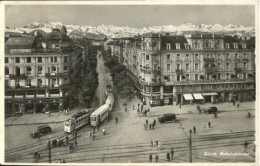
(187, 46)
(178, 46)
(168, 46)
(227, 45)
(235, 45)
(244, 45)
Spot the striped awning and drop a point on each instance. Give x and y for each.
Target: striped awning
(198, 96)
(188, 97)
(209, 94)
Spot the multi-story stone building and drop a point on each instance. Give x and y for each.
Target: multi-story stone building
(191, 68)
(38, 69)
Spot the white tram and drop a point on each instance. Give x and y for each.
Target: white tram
(99, 115)
(110, 101)
(76, 121)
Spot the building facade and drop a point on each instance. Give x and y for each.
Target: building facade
(192, 68)
(38, 70)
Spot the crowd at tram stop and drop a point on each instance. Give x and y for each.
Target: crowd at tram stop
(169, 154)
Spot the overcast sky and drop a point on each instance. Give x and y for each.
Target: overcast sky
(133, 16)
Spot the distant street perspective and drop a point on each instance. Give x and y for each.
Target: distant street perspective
(74, 95)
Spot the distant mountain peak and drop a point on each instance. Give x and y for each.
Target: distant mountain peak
(116, 31)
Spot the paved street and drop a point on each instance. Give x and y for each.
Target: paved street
(129, 141)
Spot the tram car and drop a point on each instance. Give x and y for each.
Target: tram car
(99, 115)
(110, 101)
(76, 121)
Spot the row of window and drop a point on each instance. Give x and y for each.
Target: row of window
(205, 45)
(29, 70)
(39, 59)
(198, 77)
(196, 66)
(39, 82)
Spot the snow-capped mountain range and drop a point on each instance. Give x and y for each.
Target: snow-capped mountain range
(115, 31)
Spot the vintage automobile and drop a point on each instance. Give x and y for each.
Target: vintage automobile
(212, 110)
(167, 118)
(42, 130)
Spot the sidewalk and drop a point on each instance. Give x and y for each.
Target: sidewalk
(190, 109)
(28, 119)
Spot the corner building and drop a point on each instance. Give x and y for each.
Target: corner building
(38, 70)
(188, 69)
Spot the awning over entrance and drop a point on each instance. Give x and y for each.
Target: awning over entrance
(209, 94)
(198, 96)
(187, 96)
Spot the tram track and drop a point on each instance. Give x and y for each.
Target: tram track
(179, 145)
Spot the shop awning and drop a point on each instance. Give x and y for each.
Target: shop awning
(209, 94)
(187, 96)
(198, 96)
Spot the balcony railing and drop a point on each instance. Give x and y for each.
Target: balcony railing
(18, 96)
(211, 70)
(146, 71)
(21, 76)
(179, 71)
(40, 95)
(245, 60)
(209, 60)
(29, 96)
(54, 95)
(238, 70)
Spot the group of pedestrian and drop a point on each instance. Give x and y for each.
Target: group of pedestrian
(151, 158)
(65, 111)
(57, 142)
(36, 154)
(234, 103)
(169, 155)
(156, 143)
(150, 125)
(62, 161)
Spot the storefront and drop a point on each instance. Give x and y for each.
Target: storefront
(209, 97)
(188, 99)
(198, 98)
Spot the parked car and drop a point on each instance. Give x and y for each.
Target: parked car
(42, 130)
(212, 110)
(167, 118)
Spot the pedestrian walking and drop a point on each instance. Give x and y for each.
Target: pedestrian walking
(237, 105)
(156, 158)
(209, 124)
(90, 133)
(104, 131)
(168, 156)
(249, 114)
(194, 129)
(148, 110)
(154, 122)
(198, 108)
(67, 139)
(150, 158)
(116, 119)
(36, 154)
(151, 143)
(146, 121)
(190, 131)
(246, 144)
(180, 105)
(172, 153)
(234, 103)
(156, 143)
(138, 105)
(159, 145)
